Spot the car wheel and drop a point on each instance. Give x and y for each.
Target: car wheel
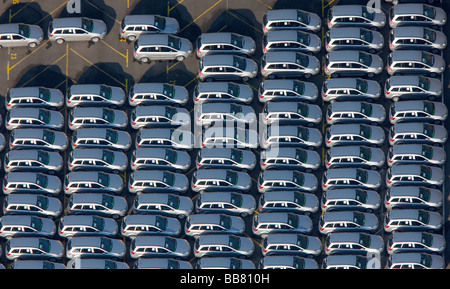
(433, 74)
(208, 79)
(60, 41)
(307, 75)
(131, 38)
(271, 76)
(244, 214)
(32, 44)
(431, 98)
(145, 60)
(371, 74)
(95, 39)
(115, 216)
(181, 216)
(334, 75)
(180, 58)
(245, 78)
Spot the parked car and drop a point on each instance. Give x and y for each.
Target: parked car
(95, 95)
(412, 220)
(157, 93)
(418, 111)
(355, 15)
(220, 180)
(133, 26)
(20, 35)
(159, 246)
(350, 89)
(420, 38)
(31, 183)
(350, 199)
(291, 40)
(291, 19)
(407, 87)
(61, 30)
(225, 202)
(282, 180)
(224, 43)
(157, 181)
(415, 261)
(412, 14)
(92, 182)
(285, 158)
(29, 248)
(287, 90)
(417, 133)
(33, 118)
(288, 201)
(410, 62)
(160, 158)
(97, 204)
(352, 63)
(32, 204)
(226, 67)
(355, 112)
(353, 243)
(34, 96)
(357, 38)
(225, 158)
(150, 47)
(95, 247)
(348, 221)
(413, 197)
(163, 203)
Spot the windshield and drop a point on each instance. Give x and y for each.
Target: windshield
(427, 152)
(424, 83)
(225, 221)
(429, 11)
(299, 199)
(423, 217)
(106, 244)
(365, 59)
(366, 108)
(43, 157)
(361, 262)
(111, 135)
(235, 109)
(234, 242)
(302, 109)
(237, 40)
(427, 58)
(108, 156)
(173, 201)
(428, 107)
(36, 223)
(42, 202)
(233, 89)
(174, 42)
(365, 153)
(428, 130)
(236, 155)
(41, 180)
(361, 175)
(424, 194)
(160, 22)
(361, 85)
(427, 239)
(44, 94)
(425, 172)
(298, 178)
(170, 112)
(358, 218)
(105, 91)
(299, 87)
(236, 199)
(103, 179)
(24, 30)
(302, 241)
(303, 133)
(239, 62)
(87, 24)
(108, 115)
(292, 220)
(231, 177)
(366, 14)
(168, 178)
(48, 136)
(170, 244)
(301, 155)
(44, 115)
(361, 196)
(171, 156)
(44, 244)
(365, 131)
(303, 38)
(107, 201)
(161, 222)
(429, 34)
(168, 90)
(302, 17)
(366, 35)
(301, 59)
(98, 223)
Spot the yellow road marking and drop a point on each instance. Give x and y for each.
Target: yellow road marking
(10, 68)
(235, 16)
(115, 50)
(44, 70)
(26, 5)
(264, 4)
(98, 8)
(207, 10)
(253, 240)
(329, 3)
(191, 81)
(170, 8)
(53, 11)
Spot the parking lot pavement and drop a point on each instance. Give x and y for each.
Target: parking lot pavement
(111, 61)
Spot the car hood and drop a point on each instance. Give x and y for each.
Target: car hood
(435, 219)
(36, 32)
(54, 184)
(181, 181)
(371, 221)
(305, 223)
(172, 26)
(99, 26)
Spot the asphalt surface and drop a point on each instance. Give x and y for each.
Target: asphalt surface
(111, 62)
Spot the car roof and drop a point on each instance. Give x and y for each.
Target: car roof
(409, 31)
(273, 217)
(353, 106)
(283, 238)
(216, 37)
(154, 39)
(279, 84)
(339, 216)
(22, 177)
(341, 83)
(69, 22)
(77, 220)
(9, 28)
(140, 19)
(407, 191)
(281, 56)
(344, 55)
(219, 59)
(283, 35)
(347, 10)
(346, 32)
(404, 80)
(408, 8)
(155, 133)
(148, 175)
(408, 55)
(213, 86)
(282, 14)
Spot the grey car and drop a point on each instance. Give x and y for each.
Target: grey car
(97, 204)
(222, 92)
(160, 158)
(33, 118)
(412, 220)
(350, 199)
(157, 93)
(410, 175)
(216, 223)
(225, 158)
(354, 156)
(347, 221)
(208, 114)
(161, 263)
(416, 154)
(107, 138)
(265, 224)
(409, 87)
(76, 29)
(415, 261)
(95, 247)
(159, 116)
(34, 96)
(289, 64)
(353, 243)
(239, 136)
(282, 180)
(224, 263)
(354, 134)
(350, 89)
(32, 204)
(413, 62)
(417, 132)
(355, 15)
(38, 138)
(287, 90)
(415, 14)
(164, 138)
(418, 111)
(225, 202)
(33, 161)
(288, 201)
(95, 95)
(291, 19)
(164, 204)
(157, 181)
(84, 117)
(350, 262)
(352, 63)
(87, 225)
(29, 248)
(290, 40)
(219, 180)
(226, 67)
(422, 242)
(133, 26)
(289, 158)
(97, 159)
(291, 113)
(224, 43)
(355, 112)
(351, 178)
(291, 244)
(92, 182)
(101, 263)
(31, 183)
(227, 245)
(421, 38)
(413, 197)
(357, 38)
(20, 34)
(161, 47)
(132, 226)
(287, 262)
(159, 246)
(13, 226)
(291, 136)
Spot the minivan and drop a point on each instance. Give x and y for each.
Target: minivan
(224, 43)
(157, 93)
(291, 19)
(35, 96)
(150, 47)
(408, 87)
(351, 178)
(265, 224)
(287, 90)
(413, 197)
(352, 63)
(226, 67)
(133, 26)
(31, 183)
(289, 64)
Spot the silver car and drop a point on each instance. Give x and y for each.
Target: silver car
(92, 182)
(355, 112)
(164, 138)
(133, 26)
(224, 43)
(224, 263)
(354, 134)
(76, 29)
(225, 202)
(354, 156)
(350, 89)
(33, 161)
(222, 92)
(157, 93)
(97, 159)
(414, 175)
(415, 261)
(220, 180)
(289, 64)
(157, 181)
(265, 224)
(34, 248)
(95, 95)
(291, 244)
(350, 262)
(95, 247)
(225, 158)
(291, 19)
(283, 180)
(160, 158)
(101, 138)
(208, 114)
(230, 137)
(159, 246)
(412, 220)
(353, 243)
(407, 242)
(31, 183)
(226, 245)
(287, 262)
(161, 263)
(352, 63)
(287, 90)
(161, 47)
(351, 178)
(26, 226)
(347, 221)
(216, 223)
(418, 133)
(290, 40)
(227, 67)
(133, 226)
(415, 14)
(416, 154)
(290, 158)
(33, 118)
(355, 15)
(413, 197)
(407, 62)
(97, 204)
(291, 113)
(20, 34)
(421, 38)
(357, 38)
(83, 117)
(412, 86)
(32, 204)
(87, 225)
(103, 263)
(290, 135)
(288, 201)
(159, 116)
(163, 204)
(38, 138)
(34, 96)
(418, 111)
(350, 200)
